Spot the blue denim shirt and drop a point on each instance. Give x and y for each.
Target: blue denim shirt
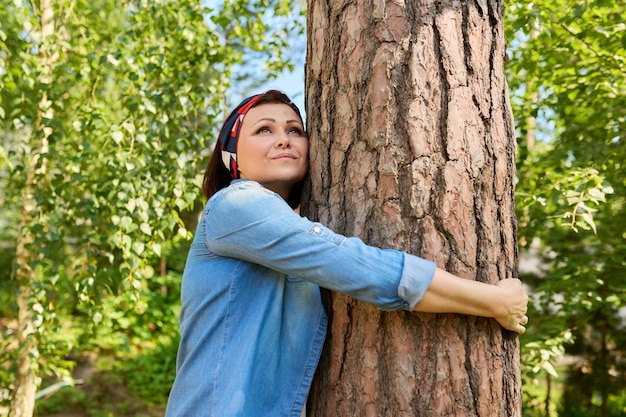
(252, 322)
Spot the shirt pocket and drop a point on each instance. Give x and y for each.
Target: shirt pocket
(322, 232)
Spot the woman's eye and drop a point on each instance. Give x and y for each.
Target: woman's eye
(296, 131)
(263, 130)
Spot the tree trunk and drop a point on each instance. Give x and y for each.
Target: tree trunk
(548, 395)
(413, 147)
(26, 378)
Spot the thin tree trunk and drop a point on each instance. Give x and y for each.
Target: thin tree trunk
(604, 374)
(26, 378)
(548, 394)
(413, 147)
(23, 401)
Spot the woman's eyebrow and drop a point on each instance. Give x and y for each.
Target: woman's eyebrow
(265, 119)
(269, 119)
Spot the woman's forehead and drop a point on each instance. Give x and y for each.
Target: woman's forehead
(276, 111)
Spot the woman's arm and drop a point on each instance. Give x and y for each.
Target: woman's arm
(248, 222)
(506, 301)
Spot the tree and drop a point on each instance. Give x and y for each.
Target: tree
(413, 147)
(25, 383)
(105, 108)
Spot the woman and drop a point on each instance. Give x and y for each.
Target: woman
(252, 321)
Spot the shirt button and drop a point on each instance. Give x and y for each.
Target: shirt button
(316, 229)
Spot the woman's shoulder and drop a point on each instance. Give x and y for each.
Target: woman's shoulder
(244, 194)
(243, 204)
(241, 186)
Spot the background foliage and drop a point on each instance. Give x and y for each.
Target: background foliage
(106, 124)
(568, 80)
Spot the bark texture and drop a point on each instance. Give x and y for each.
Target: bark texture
(413, 147)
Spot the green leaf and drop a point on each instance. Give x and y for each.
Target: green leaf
(126, 221)
(127, 242)
(589, 220)
(145, 227)
(138, 247)
(129, 127)
(156, 248)
(117, 136)
(596, 194)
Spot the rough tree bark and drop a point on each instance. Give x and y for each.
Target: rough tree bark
(413, 147)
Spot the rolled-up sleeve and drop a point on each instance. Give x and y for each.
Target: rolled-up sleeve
(417, 275)
(251, 223)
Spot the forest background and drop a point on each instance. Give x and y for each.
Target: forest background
(106, 127)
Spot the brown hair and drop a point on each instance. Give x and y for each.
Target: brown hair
(217, 176)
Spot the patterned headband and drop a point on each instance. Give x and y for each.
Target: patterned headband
(229, 135)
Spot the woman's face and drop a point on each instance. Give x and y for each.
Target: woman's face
(273, 148)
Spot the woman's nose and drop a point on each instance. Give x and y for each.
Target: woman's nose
(282, 141)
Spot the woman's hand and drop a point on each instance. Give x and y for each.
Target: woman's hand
(512, 313)
(506, 302)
